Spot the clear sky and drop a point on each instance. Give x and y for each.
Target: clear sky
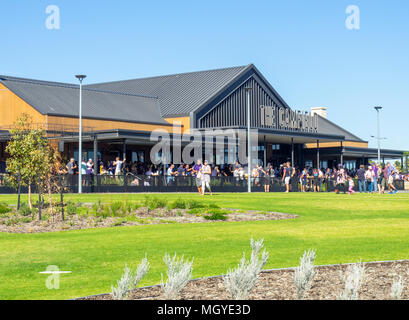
(302, 47)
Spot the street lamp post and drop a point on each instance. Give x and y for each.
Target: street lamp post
(80, 77)
(378, 108)
(248, 90)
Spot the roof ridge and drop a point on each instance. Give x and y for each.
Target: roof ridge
(170, 75)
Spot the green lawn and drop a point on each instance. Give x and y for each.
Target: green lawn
(342, 228)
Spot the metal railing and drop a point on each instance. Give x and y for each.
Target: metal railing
(142, 183)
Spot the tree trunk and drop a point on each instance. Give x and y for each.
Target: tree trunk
(29, 196)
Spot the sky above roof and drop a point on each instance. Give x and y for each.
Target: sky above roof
(303, 48)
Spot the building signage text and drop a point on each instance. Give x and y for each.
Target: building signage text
(287, 119)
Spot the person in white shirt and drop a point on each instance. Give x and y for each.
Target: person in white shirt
(370, 178)
(206, 171)
(118, 166)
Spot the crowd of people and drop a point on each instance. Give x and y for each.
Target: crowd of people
(372, 178)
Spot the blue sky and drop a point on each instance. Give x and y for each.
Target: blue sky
(302, 47)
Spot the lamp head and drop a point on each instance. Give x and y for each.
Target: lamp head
(80, 77)
(378, 108)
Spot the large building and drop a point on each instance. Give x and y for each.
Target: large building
(118, 117)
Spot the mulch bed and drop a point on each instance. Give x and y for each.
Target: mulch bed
(143, 216)
(278, 285)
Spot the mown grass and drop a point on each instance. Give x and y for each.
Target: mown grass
(341, 228)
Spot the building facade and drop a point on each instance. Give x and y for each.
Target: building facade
(119, 117)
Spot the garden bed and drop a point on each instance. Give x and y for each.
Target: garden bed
(278, 285)
(100, 215)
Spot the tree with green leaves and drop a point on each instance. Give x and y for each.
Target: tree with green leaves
(30, 156)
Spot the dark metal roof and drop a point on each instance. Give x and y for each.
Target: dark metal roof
(328, 127)
(62, 99)
(179, 94)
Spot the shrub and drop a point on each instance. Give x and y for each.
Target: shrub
(177, 204)
(71, 208)
(140, 272)
(353, 278)
(153, 203)
(193, 204)
(25, 209)
(179, 273)
(4, 208)
(240, 281)
(115, 207)
(120, 292)
(215, 215)
(129, 281)
(82, 211)
(304, 273)
(119, 222)
(25, 219)
(397, 289)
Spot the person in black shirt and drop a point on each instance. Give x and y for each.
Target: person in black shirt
(288, 173)
(361, 179)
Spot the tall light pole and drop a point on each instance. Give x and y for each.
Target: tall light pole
(378, 108)
(248, 91)
(80, 77)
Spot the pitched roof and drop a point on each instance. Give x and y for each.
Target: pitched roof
(179, 94)
(56, 98)
(328, 127)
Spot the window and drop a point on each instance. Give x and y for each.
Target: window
(308, 163)
(275, 147)
(350, 164)
(138, 156)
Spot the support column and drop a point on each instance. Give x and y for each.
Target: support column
(96, 164)
(265, 153)
(124, 150)
(342, 154)
(318, 154)
(292, 152)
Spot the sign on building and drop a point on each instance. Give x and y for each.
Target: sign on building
(287, 119)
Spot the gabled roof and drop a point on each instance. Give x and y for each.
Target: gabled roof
(328, 127)
(179, 94)
(56, 98)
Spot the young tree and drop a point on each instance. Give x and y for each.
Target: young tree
(30, 154)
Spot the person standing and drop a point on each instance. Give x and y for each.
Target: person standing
(382, 180)
(118, 166)
(375, 177)
(288, 173)
(206, 171)
(340, 180)
(303, 180)
(351, 186)
(369, 176)
(391, 187)
(198, 175)
(71, 167)
(361, 179)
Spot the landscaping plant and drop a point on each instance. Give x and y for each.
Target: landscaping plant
(240, 281)
(129, 281)
(179, 273)
(304, 274)
(354, 277)
(397, 289)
